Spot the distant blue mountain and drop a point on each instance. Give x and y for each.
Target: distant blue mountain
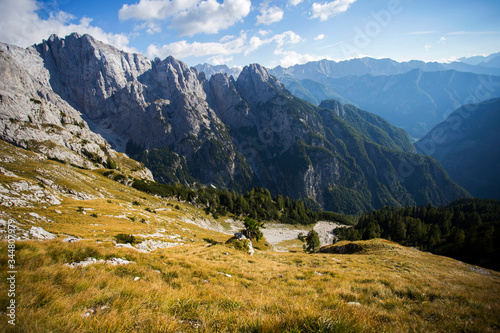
(492, 61)
(210, 70)
(415, 101)
(320, 70)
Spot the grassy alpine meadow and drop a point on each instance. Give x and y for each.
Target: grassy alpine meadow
(178, 275)
(202, 288)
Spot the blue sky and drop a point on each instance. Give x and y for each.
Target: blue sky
(239, 32)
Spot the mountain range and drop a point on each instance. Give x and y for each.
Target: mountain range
(92, 100)
(210, 70)
(323, 69)
(415, 101)
(467, 145)
(413, 95)
(491, 61)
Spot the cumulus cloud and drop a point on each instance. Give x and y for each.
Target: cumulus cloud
(264, 32)
(189, 17)
(294, 2)
(288, 37)
(182, 49)
(219, 60)
(225, 47)
(270, 15)
(21, 25)
(154, 9)
(325, 10)
(150, 27)
(319, 37)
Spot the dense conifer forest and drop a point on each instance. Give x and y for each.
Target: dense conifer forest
(466, 229)
(257, 203)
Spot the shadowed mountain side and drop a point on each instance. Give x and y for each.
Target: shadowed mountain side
(467, 145)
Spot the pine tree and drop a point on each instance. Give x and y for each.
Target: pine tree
(252, 228)
(312, 241)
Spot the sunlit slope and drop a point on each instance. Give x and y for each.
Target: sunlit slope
(210, 289)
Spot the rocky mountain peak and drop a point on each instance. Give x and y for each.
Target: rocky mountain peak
(257, 86)
(174, 75)
(333, 105)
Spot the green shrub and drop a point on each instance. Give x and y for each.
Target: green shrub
(211, 241)
(125, 238)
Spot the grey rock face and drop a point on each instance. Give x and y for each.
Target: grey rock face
(128, 99)
(257, 86)
(32, 116)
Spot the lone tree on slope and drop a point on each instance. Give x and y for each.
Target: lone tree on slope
(312, 241)
(252, 228)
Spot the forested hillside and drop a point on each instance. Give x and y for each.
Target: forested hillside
(467, 229)
(257, 203)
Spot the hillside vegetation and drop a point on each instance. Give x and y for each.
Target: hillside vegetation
(466, 229)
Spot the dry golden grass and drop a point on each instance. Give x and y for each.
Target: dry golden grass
(187, 289)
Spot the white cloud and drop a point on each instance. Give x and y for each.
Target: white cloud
(294, 2)
(210, 16)
(150, 27)
(255, 43)
(189, 17)
(220, 60)
(427, 46)
(182, 49)
(442, 39)
(294, 58)
(270, 15)
(319, 37)
(324, 11)
(226, 38)
(21, 25)
(154, 9)
(264, 32)
(288, 37)
(448, 60)
(225, 47)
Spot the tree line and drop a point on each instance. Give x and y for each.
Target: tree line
(466, 229)
(257, 203)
